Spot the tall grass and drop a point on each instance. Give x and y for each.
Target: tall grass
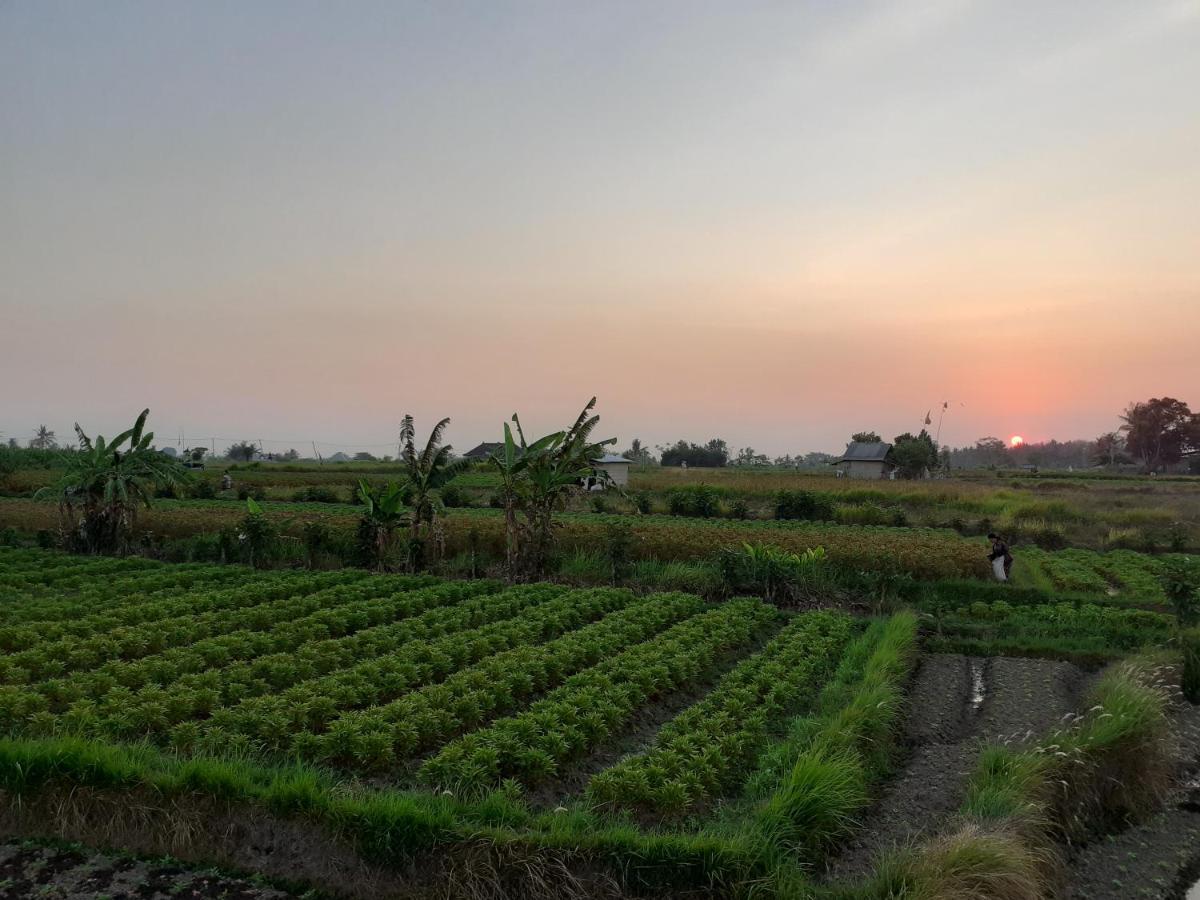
(1107, 767)
(810, 789)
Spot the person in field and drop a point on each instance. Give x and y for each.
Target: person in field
(1001, 557)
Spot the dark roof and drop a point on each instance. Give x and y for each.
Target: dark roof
(857, 451)
(483, 450)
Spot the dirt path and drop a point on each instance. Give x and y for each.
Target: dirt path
(955, 704)
(55, 873)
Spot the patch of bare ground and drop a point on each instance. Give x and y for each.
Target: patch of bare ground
(1158, 859)
(641, 731)
(954, 705)
(57, 873)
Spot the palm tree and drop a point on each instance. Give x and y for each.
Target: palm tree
(427, 472)
(105, 484)
(43, 439)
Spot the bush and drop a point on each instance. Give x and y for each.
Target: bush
(1190, 640)
(1181, 583)
(699, 500)
(251, 493)
(641, 500)
(871, 514)
(203, 489)
(807, 505)
(453, 497)
(10, 537)
(773, 573)
(316, 495)
(739, 509)
(618, 546)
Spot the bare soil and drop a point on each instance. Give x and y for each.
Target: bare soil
(956, 703)
(57, 873)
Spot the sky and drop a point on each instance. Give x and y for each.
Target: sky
(777, 223)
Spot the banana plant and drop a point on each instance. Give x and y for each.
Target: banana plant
(383, 512)
(427, 472)
(105, 484)
(536, 478)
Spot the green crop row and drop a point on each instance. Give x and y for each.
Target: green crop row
(99, 614)
(699, 754)
(594, 704)
(215, 667)
(1084, 632)
(810, 788)
(524, 617)
(119, 595)
(269, 606)
(425, 718)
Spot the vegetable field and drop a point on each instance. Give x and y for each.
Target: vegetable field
(444, 685)
(412, 736)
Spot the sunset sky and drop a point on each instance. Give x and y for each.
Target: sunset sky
(777, 223)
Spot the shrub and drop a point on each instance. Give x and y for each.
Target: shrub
(699, 500)
(258, 537)
(1181, 583)
(806, 505)
(618, 546)
(203, 489)
(314, 494)
(739, 509)
(453, 497)
(1190, 640)
(774, 573)
(641, 500)
(871, 514)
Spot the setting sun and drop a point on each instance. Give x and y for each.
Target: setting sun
(1016, 441)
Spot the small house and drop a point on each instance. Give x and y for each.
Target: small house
(483, 452)
(866, 460)
(615, 467)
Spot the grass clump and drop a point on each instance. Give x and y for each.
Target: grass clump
(1109, 766)
(810, 789)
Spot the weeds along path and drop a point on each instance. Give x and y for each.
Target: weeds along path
(955, 703)
(1158, 859)
(28, 870)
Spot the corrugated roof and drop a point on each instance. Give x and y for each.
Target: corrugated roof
(611, 458)
(857, 451)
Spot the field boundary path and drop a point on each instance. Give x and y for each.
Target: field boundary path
(956, 703)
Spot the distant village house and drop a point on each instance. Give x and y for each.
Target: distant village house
(483, 452)
(866, 460)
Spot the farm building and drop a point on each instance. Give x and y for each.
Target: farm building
(617, 468)
(483, 451)
(866, 460)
